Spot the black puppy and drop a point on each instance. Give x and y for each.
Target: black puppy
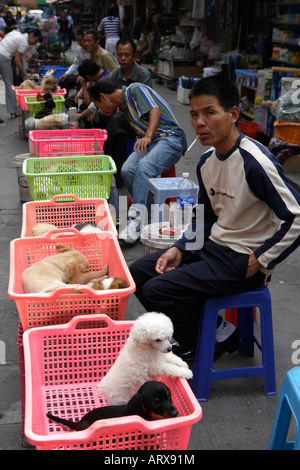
(48, 106)
(152, 401)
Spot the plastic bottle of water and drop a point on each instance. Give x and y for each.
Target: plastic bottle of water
(185, 201)
(73, 118)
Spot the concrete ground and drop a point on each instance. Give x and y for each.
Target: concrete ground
(238, 414)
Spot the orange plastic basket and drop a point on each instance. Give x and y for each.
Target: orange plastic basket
(63, 211)
(288, 131)
(60, 142)
(63, 365)
(59, 306)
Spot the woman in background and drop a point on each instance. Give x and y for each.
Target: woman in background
(110, 28)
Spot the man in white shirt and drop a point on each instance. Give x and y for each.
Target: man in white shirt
(15, 44)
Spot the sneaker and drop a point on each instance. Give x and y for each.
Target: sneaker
(131, 233)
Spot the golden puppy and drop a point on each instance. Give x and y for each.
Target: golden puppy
(67, 267)
(41, 229)
(49, 85)
(27, 85)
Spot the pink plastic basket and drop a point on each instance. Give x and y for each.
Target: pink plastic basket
(63, 365)
(63, 211)
(56, 143)
(59, 306)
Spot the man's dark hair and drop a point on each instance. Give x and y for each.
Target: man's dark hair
(93, 32)
(123, 42)
(103, 86)
(80, 32)
(36, 32)
(222, 88)
(88, 68)
(113, 10)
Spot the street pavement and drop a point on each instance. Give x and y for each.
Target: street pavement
(238, 414)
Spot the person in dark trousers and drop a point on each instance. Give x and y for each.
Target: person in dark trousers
(251, 224)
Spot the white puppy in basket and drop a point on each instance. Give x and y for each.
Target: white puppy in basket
(146, 354)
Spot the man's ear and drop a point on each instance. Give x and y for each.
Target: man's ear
(235, 113)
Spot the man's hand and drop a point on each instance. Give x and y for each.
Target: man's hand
(142, 144)
(170, 260)
(253, 266)
(62, 77)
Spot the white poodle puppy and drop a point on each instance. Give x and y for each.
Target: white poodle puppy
(145, 354)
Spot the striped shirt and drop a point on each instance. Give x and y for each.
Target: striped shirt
(110, 26)
(138, 101)
(249, 205)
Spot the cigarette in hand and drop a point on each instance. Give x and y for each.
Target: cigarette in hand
(193, 143)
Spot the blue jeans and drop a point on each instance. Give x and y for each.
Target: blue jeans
(161, 155)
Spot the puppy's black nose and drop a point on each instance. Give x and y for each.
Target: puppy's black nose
(173, 412)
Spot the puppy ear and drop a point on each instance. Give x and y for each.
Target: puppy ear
(135, 406)
(62, 248)
(72, 272)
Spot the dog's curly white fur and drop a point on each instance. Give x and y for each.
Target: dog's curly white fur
(146, 354)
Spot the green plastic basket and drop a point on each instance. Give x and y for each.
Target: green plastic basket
(84, 176)
(35, 106)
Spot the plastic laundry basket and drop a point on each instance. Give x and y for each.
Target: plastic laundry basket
(58, 142)
(85, 176)
(35, 106)
(63, 365)
(64, 211)
(59, 306)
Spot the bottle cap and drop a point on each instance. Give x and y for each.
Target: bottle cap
(185, 175)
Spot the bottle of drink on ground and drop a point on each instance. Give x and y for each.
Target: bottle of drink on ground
(73, 121)
(185, 201)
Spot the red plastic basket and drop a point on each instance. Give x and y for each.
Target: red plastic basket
(63, 365)
(56, 143)
(63, 211)
(59, 306)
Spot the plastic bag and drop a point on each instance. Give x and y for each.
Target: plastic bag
(286, 108)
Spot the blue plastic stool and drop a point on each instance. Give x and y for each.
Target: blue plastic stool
(289, 402)
(162, 189)
(203, 370)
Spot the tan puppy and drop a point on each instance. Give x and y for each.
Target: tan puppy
(49, 85)
(67, 267)
(27, 85)
(41, 229)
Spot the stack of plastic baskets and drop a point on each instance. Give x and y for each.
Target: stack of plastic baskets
(63, 365)
(62, 212)
(68, 162)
